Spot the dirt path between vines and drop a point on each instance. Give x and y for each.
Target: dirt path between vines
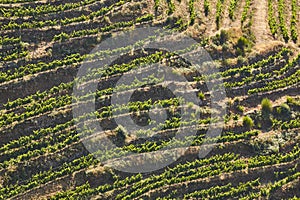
(260, 25)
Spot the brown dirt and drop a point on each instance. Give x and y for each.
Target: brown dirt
(260, 25)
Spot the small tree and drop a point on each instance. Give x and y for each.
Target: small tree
(266, 108)
(248, 122)
(284, 111)
(121, 133)
(241, 46)
(223, 36)
(242, 42)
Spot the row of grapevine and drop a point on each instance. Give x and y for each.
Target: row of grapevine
(192, 11)
(219, 12)
(232, 8)
(294, 33)
(25, 141)
(281, 16)
(146, 145)
(37, 106)
(211, 170)
(64, 36)
(245, 11)
(42, 9)
(150, 146)
(168, 173)
(248, 71)
(36, 149)
(259, 64)
(65, 21)
(47, 176)
(61, 135)
(206, 7)
(56, 142)
(226, 191)
(255, 76)
(294, 123)
(35, 109)
(14, 53)
(284, 82)
(15, 1)
(265, 191)
(171, 7)
(169, 178)
(41, 66)
(106, 112)
(9, 40)
(271, 19)
(38, 96)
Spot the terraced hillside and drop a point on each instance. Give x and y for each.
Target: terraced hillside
(255, 45)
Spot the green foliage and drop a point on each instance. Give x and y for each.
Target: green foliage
(192, 11)
(189, 171)
(201, 95)
(266, 108)
(46, 176)
(156, 5)
(171, 7)
(281, 16)
(281, 83)
(65, 21)
(284, 109)
(29, 148)
(259, 64)
(15, 1)
(241, 46)
(19, 11)
(232, 8)
(219, 12)
(145, 18)
(223, 37)
(271, 19)
(61, 37)
(290, 100)
(248, 122)
(294, 123)
(224, 191)
(294, 33)
(243, 43)
(206, 7)
(9, 40)
(245, 11)
(240, 108)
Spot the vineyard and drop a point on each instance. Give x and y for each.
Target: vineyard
(255, 47)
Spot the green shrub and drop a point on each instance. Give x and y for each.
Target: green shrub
(239, 52)
(121, 132)
(240, 108)
(248, 122)
(223, 37)
(290, 100)
(266, 108)
(284, 109)
(243, 43)
(201, 95)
